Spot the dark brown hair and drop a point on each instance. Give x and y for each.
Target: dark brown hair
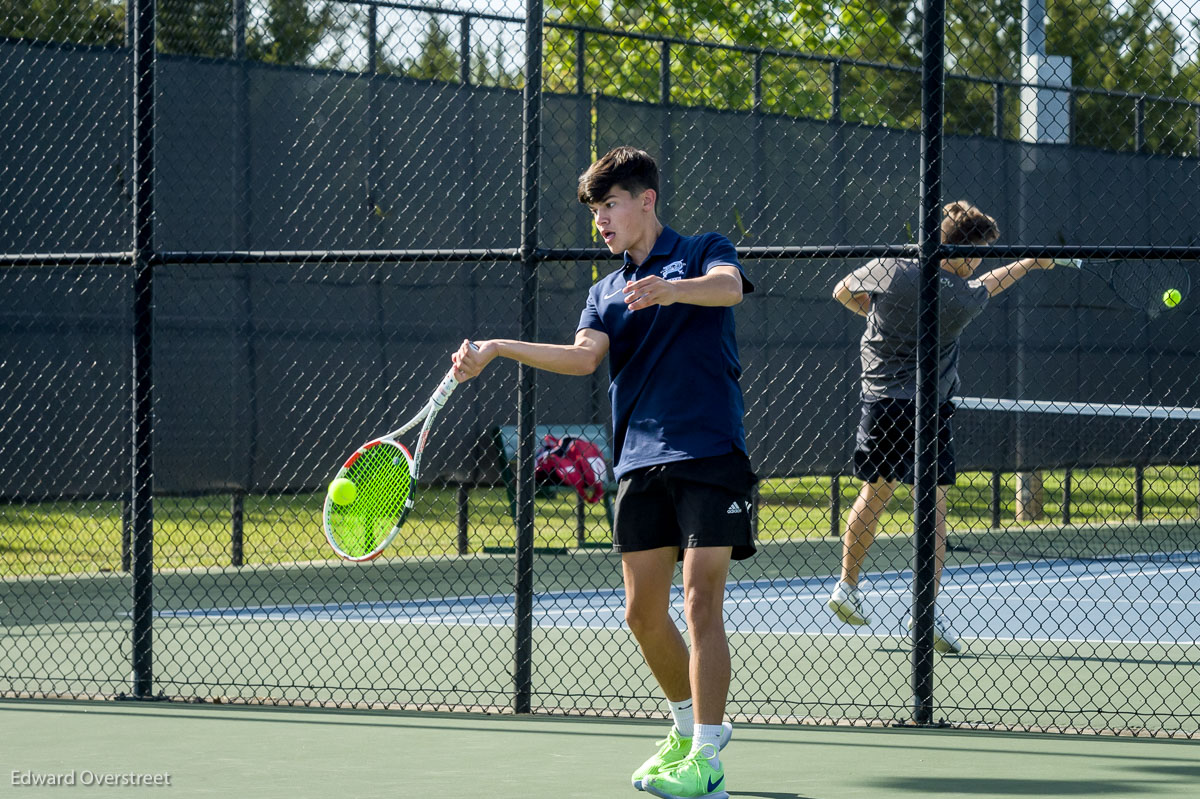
(625, 168)
(963, 223)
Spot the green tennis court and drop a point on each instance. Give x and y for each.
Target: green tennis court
(292, 753)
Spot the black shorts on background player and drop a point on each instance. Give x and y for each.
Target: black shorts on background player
(709, 498)
(885, 445)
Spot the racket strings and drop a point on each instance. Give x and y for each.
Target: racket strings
(383, 481)
(1145, 284)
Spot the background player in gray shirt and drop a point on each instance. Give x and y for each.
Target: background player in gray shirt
(885, 291)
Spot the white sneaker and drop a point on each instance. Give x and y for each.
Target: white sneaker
(847, 604)
(944, 639)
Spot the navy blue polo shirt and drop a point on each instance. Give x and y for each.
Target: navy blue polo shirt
(675, 392)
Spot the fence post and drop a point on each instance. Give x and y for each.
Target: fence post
(835, 91)
(1072, 112)
(998, 110)
(1139, 493)
(464, 519)
(1139, 124)
(754, 505)
(126, 531)
(835, 506)
(142, 404)
(757, 103)
(580, 522)
(580, 63)
(664, 74)
(1196, 128)
(1066, 500)
(925, 488)
(531, 142)
(995, 500)
(464, 50)
(237, 514)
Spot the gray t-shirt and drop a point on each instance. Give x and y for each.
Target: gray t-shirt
(889, 345)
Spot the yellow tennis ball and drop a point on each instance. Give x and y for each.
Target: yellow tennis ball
(1172, 297)
(342, 491)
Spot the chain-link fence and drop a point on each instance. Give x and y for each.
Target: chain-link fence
(291, 213)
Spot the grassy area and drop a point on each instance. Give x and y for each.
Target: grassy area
(85, 537)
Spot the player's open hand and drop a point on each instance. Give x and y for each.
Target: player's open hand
(649, 291)
(469, 362)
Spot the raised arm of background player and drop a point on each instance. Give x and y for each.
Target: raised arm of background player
(996, 281)
(722, 286)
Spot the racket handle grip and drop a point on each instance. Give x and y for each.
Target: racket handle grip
(447, 387)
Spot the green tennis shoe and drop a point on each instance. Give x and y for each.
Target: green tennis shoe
(691, 778)
(670, 751)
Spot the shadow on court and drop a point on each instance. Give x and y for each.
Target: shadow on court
(969, 786)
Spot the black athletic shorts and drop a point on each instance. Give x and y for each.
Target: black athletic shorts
(703, 502)
(885, 444)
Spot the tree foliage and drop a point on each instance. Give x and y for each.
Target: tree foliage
(1130, 46)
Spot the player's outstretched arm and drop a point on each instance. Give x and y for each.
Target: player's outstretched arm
(1002, 277)
(580, 358)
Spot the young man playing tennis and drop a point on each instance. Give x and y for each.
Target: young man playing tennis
(665, 319)
(885, 291)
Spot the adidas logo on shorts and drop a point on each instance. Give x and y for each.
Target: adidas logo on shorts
(734, 508)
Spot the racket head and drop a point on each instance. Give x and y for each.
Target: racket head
(382, 473)
(1144, 284)
(1140, 284)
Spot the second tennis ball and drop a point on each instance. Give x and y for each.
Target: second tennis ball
(1172, 297)
(342, 491)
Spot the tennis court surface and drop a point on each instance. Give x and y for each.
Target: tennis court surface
(296, 754)
(1138, 599)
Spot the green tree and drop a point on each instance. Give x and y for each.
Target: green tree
(629, 67)
(195, 27)
(1132, 48)
(302, 32)
(437, 58)
(99, 22)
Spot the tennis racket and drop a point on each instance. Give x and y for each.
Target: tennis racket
(368, 500)
(1150, 286)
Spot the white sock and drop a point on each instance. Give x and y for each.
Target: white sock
(708, 734)
(685, 722)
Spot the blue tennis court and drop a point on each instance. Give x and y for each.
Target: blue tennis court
(1128, 599)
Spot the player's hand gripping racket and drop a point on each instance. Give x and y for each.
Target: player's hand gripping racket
(373, 491)
(1150, 286)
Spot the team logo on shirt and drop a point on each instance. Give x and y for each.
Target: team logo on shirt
(674, 270)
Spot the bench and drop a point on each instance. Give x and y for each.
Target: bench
(505, 441)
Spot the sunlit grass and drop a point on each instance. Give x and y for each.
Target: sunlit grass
(85, 536)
